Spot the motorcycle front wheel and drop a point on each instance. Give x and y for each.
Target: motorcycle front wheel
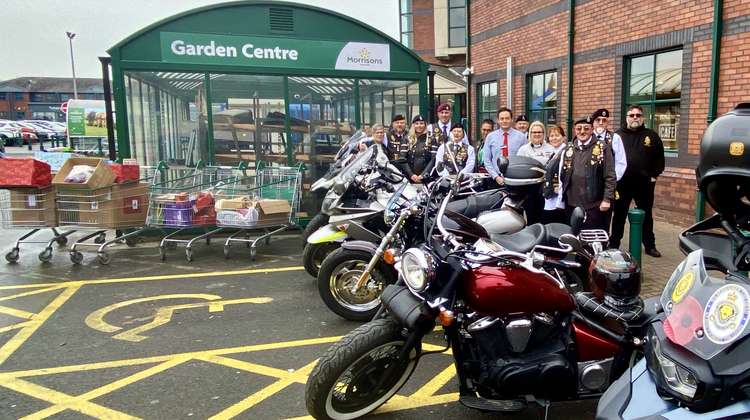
(314, 255)
(314, 224)
(339, 272)
(360, 373)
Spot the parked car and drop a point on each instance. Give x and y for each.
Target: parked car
(58, 128)
(9, 134)
(43, 133)
(28, 134)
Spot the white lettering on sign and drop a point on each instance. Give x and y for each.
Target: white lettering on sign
(179, 47)
(276, 53)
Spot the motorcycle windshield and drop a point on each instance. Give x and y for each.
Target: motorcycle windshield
(705, 314)
(350, 171)
(349, 145)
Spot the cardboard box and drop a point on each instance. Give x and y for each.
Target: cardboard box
(273, 211)
(31, 207)
(102, 176)
(114, 207)
(234, 203)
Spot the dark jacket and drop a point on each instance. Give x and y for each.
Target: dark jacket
(398, 144)
(419, 158)
(587, 174)
(645, 152)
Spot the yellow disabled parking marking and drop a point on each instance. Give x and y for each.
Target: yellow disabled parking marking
(163, 315)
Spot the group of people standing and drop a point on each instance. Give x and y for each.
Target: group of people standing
(600, 170)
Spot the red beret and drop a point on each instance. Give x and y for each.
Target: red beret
(444, 107)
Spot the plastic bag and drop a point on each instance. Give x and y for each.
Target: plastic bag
(79, 174)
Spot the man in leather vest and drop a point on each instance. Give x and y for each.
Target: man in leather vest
(398, 143)
(441, 130)
(587, 176)
(645, 152)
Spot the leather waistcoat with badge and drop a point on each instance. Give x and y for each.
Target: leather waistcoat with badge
(420, 154)
(437, 138)
(398, 144)
(590, 160)
(460, 152)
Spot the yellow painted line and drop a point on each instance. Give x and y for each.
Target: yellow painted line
(263, 394)
(76, 403)
(55, 397)
(410, 403)
(30, 293)
(156, 278)
(439, 381)
(164, 358)
(18, 313)
(15, 326)
(21, 336)
(252, 367)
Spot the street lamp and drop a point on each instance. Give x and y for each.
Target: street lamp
(71, 35)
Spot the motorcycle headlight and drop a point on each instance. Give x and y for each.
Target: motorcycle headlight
(417, 268)
(678, 378)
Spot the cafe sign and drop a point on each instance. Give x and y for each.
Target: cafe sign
(258, 51)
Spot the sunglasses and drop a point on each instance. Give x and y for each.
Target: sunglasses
(635, 115)
(583, 128)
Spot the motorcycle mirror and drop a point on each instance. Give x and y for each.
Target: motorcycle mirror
(577, 217)
(572, 241)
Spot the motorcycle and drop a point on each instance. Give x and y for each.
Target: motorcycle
(344, 156)
(356, 199)
(515, 330)
(696, 349)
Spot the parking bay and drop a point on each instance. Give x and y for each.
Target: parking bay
(224, 345)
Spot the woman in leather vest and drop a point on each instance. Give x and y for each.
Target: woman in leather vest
(419, 158)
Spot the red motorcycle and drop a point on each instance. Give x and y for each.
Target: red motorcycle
(517, 333)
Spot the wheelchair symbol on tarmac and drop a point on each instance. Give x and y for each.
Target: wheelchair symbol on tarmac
(163, 314)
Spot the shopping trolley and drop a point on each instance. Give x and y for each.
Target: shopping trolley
(268, 202)
(32, 208)
(185, 204)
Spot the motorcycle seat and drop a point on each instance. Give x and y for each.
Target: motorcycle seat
(474, 204)
(553, 232)
(523, 240)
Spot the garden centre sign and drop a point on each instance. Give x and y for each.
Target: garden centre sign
(257, 51)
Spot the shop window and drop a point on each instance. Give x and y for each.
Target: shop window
(248, 119)
(541, 97)
(406, 23)
(486, 102)
(654, 81)
(456, 23)
(156, 133)
(65, 97)
(20, 96)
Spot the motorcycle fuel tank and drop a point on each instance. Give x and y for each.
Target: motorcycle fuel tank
(498, 291)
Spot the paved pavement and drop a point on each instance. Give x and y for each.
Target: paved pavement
(216, 338)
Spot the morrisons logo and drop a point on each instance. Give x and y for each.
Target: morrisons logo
(364, 58)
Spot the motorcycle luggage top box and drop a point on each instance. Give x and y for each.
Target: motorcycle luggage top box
(521, 171)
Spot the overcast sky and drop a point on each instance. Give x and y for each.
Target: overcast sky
(33, 41)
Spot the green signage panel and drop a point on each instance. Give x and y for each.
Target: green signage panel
(86, 118)
(258, 51)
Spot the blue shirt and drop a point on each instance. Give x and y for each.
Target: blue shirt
(493, 148)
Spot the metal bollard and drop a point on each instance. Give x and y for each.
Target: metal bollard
(635, 218)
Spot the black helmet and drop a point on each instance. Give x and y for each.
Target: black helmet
(616, 278)
(723, 172)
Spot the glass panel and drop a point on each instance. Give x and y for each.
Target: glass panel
(457, 17)
(537, 91)
(550, 90)
(152, 138)
(406, 23)
(405, 6)
(456, 3)
(641, 84)
(669, 75)
(456, 37)
(370, 98)
(666, 123)
(406, 39)
(248, 119)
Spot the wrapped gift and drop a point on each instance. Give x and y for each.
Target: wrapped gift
(124, 173)
(177, 213)
(24, 172)
(203, 202)
(206, 217)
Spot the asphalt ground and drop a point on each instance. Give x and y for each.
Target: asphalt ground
(214, 338)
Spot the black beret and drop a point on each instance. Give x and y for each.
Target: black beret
(417, 118)
(600, 113)
(457, 125)
(522, 117)
(398, 117)
(585, 120)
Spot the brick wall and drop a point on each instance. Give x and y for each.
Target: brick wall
(534, 33)
(423, 21)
